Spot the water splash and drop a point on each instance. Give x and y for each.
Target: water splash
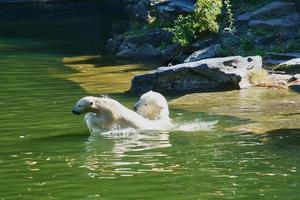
(189, 126)
(196, 125)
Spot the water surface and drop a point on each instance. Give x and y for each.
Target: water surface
(53, 54)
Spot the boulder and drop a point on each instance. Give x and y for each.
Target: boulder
(278, 15)
(144, 51)
(292, 62)
(170, 52)
(213, 74)
(282, 59)
(286, 24)
(273, 62)
(170, 9)
(164, 9)
(208, 52)
(291, 66)
(297, 76)
(145, 45)
(272, 10)
(285, 56)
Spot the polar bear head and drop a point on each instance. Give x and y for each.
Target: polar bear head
(104, 106)
(152, 105)
(85, 105)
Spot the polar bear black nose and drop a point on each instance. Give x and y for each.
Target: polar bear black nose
(75, 112)
(135, 108)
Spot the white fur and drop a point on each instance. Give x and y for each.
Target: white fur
(153, 106)
(106, 113)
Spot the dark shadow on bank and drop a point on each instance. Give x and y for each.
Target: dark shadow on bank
(74, 27)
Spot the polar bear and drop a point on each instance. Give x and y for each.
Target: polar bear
(107, 113)
(153, 106)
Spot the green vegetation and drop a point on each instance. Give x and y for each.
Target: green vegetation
(202, 21)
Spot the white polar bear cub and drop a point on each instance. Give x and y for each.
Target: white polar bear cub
(154, 106)
(106, 113)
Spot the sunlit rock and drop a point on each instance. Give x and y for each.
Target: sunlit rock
(213, 74)
(208, 52)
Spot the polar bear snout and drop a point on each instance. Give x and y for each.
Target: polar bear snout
(75, 111)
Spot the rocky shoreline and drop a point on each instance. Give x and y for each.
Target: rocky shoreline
(271, 31)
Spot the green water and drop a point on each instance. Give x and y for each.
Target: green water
(49, 59)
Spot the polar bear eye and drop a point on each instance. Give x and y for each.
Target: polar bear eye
(79, 105)
(91, 103)
(145, 104)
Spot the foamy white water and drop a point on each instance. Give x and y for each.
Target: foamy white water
(192, 126)
(196, 125)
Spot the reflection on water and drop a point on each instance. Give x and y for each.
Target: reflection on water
(134, 151)
(131, 153)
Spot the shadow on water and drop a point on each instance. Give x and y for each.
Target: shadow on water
(295, 88)
(282, 137)
(277, 137)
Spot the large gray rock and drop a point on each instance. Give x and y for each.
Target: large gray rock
(170, 53)
(165, 9)
(279, 15)
(208, 52)
(206, 75)
(285, 24)
(170, 9)
(291, 66)
(145, 45)
(273, 10)
(282, 59)
(144, 51)
(292, 62)
(285, 56)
